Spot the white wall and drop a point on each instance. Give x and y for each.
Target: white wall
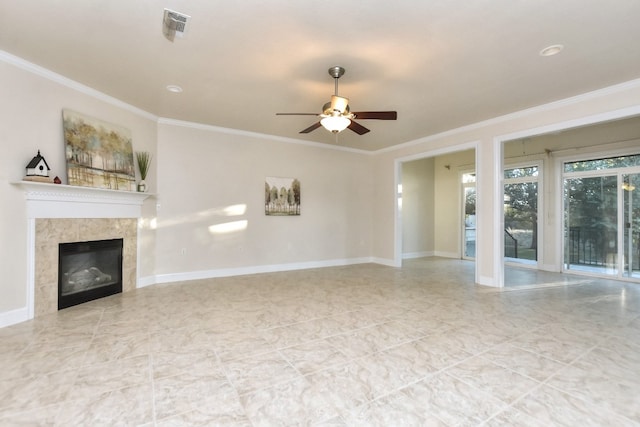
(448, 213)
(418, 205)
(207, 171)
(31, 111)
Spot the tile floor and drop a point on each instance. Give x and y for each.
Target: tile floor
(362, 345)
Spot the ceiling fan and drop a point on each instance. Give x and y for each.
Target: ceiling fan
(336, 115)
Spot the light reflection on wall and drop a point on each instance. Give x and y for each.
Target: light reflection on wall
(235, 210)
(148, 223)
(231, 210)
(228, 227)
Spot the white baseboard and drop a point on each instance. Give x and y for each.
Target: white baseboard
(423, 254)
(146, 281)
(447, 254)
(486, 281)
(242, 271)
(551, 268)
(12, 317)
(385, 261)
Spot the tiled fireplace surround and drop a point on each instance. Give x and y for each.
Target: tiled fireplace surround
(60, 214)
(52, 231)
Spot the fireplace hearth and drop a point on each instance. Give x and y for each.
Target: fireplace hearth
(88, 271)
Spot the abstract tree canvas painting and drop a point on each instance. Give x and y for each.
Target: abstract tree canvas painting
(98, 154)
(281, 196)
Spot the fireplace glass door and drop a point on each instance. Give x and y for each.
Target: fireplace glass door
(88, 270)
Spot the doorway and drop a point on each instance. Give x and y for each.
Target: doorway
(429, 203)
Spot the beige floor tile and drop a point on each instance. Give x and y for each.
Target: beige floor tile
(439, 350)
(453, 401)
(503, 383)
(346, 346)
(596, 384)
(35, 391)
(346, 387)
(171, 363)
(553, 407)
(393, 410)
(524, 362)
(395, 368)
(511, 417)
(211, 395)
(113, 375)
(258, 372)
(127, 406)
(314, 356)
(286, 402)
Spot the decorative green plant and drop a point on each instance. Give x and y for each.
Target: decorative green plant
(144, 160)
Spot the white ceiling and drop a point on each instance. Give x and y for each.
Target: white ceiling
(440, 64)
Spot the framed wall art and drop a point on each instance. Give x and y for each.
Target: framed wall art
(98, 154)
(281, 196)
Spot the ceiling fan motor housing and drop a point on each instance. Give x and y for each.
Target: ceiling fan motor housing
(336, 72)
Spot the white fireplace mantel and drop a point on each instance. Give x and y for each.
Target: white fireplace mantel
(67, 201)
(44, 200)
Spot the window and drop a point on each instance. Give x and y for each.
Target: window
(600, 164)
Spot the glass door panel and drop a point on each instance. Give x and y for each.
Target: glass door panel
(469, 244)
(591, 224)
(521, 220)
(631, 223)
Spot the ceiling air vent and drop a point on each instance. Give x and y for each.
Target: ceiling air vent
(174, 24)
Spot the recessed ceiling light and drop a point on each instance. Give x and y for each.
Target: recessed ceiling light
(551, 50)
(174, 88)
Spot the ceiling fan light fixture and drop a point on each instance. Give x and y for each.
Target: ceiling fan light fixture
(628, 187)
(338, 103)
(336, 115)
(335, 124)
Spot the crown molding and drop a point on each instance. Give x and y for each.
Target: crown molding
(229, 131)
(574, 100)
(72, 84)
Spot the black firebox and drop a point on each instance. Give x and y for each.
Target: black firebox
(88, 271)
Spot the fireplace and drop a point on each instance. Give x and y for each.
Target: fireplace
(88, 271)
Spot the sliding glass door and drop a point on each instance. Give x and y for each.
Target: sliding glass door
(591, 224)
(602, 216)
